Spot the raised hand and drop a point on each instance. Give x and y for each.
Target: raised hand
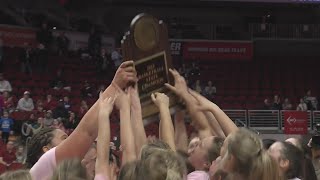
(126, 73)
(123, 100)
(106, 106)
(160, 99)
(180, 86)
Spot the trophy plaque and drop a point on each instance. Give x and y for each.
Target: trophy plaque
(147, 44)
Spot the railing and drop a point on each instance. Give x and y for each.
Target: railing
(266, 120)
(238, 116)
(285, 31)
(315, 117)
(263, 120)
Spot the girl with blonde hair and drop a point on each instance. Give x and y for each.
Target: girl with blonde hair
(243, 155)
(16, 175)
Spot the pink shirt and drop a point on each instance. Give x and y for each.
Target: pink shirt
(45, 166)
(198, 175)
(100, 177)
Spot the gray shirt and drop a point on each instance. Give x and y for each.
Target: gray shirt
(25, 104)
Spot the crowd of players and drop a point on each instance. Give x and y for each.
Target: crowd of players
(217, 150)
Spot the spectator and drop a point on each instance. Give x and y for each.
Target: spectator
(25, 58)
(87, 90)
(32, 117)
(39, 112)
(276, 103)
(6, 126)
(36, 125)
(25, 103)
(48, 120)
(66, 103)
(8, 155)
(58, 83)
(21, 155)
(195, 70)
(104, 61)
(49, 103)
(209, 90)
(44, 36)
(286, 104)
(311, 101)
(302, 106)
(39, 108)
(63, 43)
(83, 108)
(184, 71)
(4, 84)
(57, 124)
(72, 122)
(94, 42)
(60, 111)
(266, 104)
(8, 101)
(197, 87)
(116, 58)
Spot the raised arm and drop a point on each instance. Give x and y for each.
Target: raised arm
(215, 126)
(136, 120)
(166, 130)
(126, 132)
(103, 140)
(181, 136)
(224, 121)
(180, 89)
(78, 143)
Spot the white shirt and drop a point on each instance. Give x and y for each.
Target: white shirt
(5, 86)
(210, 90)
(25, 104)
(302, 107)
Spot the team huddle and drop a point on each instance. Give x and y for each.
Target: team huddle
(217, 150)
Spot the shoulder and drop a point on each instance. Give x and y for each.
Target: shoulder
(45, 165)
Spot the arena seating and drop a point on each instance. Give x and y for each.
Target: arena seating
(240, 84)
(244, 85)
